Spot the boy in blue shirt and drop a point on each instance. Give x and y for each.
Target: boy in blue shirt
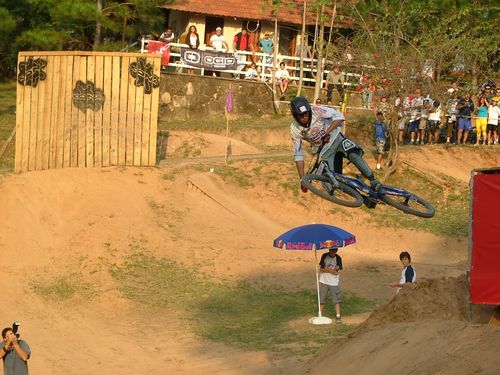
(380, 138)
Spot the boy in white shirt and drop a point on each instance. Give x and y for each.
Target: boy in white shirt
(408, 275)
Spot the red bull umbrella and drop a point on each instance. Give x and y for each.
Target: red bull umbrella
(315, 237)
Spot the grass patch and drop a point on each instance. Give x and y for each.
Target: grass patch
(7, 123)
(274, 121)
(234, 175)
(253, 317)
(63, 288)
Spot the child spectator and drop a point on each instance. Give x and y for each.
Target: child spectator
(251, 72)
(282, 78)
(380, 138)
(493, 115)
(408, 275)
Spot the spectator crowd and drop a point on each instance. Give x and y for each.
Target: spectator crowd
(455, 117)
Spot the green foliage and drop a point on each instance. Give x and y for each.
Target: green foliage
(72, 25)
(40, 40)
(408, 33)
(7, 123)
(255, 317)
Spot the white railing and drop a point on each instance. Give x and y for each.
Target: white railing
(292, 64)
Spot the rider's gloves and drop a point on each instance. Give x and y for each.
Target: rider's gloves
(302, 187)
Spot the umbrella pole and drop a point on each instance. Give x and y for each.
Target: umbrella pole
(317, 282)
(318, 319)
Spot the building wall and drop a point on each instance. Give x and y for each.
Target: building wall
(181, 21)
(184, 96)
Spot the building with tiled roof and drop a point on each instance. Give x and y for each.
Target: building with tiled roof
(257, 17)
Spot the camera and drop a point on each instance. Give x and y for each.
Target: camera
(15, 327)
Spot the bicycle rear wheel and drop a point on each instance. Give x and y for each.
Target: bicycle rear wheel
(407, 202)
(343, 195)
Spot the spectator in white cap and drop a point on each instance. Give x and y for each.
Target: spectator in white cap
(217, 41)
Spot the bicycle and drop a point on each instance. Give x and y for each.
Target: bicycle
(353, 192)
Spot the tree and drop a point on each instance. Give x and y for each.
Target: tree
(400, 42)
(73, 25)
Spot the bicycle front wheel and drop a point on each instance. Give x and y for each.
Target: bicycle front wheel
(343, 195)
(407, 202)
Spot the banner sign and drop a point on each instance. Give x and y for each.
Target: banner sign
(211, 60)
(160, 48)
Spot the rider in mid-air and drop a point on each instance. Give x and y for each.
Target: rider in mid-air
(317, 124)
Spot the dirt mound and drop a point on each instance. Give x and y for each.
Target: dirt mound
(422, 330)
(443, 298)
(426, 347)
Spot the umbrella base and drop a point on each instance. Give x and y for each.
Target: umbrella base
(318, 320)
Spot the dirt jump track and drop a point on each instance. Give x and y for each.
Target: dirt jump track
(59, 223)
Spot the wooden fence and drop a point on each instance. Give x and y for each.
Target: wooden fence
(86, 109)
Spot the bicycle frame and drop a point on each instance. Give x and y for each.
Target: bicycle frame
(355, 182)
(353, 191)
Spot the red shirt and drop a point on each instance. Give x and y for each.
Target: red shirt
(244, 41)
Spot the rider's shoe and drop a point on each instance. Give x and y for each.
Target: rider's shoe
(369, 202)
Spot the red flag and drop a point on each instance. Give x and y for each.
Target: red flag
(160, 48)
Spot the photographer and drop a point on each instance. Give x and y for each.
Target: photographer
(15, 352)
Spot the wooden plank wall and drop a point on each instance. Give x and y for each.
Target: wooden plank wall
(86, 109)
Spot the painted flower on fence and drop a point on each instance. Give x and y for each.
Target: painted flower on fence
(31, 71)
(143, 74)
(87, 96)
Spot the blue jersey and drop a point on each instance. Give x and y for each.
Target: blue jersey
(380, 131)
(408, 275)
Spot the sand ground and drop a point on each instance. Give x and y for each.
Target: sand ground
(61, 221)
